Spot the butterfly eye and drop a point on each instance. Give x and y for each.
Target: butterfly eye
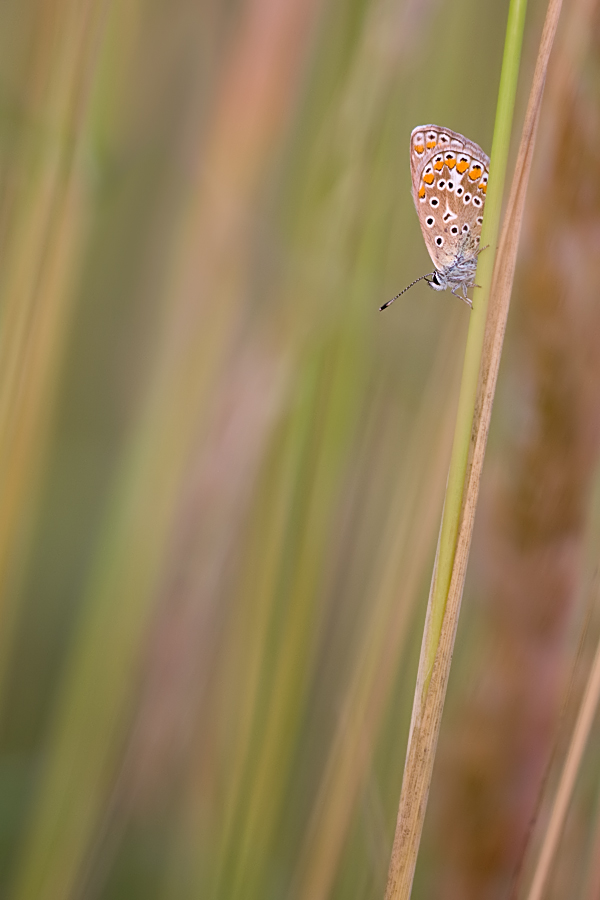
(430, 221)
(465, 228)
(477, 239)
(454, 229)
(439, 240)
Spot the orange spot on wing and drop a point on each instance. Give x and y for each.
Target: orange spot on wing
(428, 179)
(450, 163)
(421, 192)
(419, 148)
(483, 187)
(438, 165)
(462, 167)
(475, 173)
(431, 144)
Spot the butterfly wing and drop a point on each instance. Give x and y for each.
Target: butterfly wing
(449, 182)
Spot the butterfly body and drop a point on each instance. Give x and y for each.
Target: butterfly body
(449, 176)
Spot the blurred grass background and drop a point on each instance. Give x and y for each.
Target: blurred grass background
(222, 470)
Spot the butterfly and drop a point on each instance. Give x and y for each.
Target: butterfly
(449, 175)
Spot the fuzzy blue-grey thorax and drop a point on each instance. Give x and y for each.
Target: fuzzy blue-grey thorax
(460, 273)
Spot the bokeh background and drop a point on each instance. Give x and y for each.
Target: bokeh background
(222, 470)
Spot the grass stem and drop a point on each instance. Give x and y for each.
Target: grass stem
(482, 357)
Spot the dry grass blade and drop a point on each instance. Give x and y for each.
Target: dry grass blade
(507, 251)
(568, 776)
(500, 296)
(426, 723)
(538, 513)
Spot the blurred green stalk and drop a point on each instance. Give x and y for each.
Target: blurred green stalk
(39, 266)
(205, 298)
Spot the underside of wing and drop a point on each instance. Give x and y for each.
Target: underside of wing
(449, 184)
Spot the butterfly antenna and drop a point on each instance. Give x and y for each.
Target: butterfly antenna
(385, 305)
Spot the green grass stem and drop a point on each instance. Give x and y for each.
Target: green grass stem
(475, 338)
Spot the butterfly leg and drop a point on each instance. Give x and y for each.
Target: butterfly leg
(463, 296)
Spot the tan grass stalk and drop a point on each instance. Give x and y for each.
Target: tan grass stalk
(428, 710)
(537, 510)
(46, 226)
(581, 732)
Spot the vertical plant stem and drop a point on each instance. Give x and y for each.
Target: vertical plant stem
(428, 704)
(436, 652)
(475, 338)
